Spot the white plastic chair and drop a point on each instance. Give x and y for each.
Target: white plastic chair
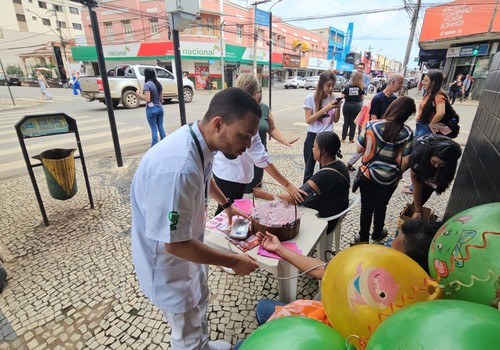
(325, 242)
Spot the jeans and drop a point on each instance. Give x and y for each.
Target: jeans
(374, 200)
(350, 110)
(309, 161)
(422, 129)
(76, 87)
(155, 120)
(454, 94)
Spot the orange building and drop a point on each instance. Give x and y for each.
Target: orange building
(461, 37)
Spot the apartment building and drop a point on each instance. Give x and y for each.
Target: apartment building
(39, 32)
(138, 30)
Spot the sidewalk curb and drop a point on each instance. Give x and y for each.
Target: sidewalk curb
(21, 103)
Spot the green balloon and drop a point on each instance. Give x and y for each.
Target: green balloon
(295, 333)
(439, 324)
(464, 255)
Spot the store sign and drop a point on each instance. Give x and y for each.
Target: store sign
(467, 50)
(261, 18)
(191, 48)
(318, 63)
(291, 61)
(124, 50)
(453, 52)
(262, 55)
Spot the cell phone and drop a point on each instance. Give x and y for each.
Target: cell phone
(338, 99)
(240, 229)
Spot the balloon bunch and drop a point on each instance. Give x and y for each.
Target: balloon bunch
(378, 298)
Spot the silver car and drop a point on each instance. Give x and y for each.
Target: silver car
(311, 82)
(294, 82)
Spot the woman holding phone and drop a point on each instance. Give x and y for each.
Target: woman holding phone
(322, 110)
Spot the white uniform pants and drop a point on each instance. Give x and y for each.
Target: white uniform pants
(190, 329)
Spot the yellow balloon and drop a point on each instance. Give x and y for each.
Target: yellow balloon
(365, 284)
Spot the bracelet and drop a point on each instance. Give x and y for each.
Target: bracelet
(227, 204)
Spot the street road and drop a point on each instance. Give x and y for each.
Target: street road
(133, 129)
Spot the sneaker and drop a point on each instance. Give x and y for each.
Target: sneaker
(357, 240)
(350, 167)
(219, 345)
(381, 236)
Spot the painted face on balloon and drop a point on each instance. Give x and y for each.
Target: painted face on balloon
(372, 286)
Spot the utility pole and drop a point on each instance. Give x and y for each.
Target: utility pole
(104, 77)
(63, 45)
(414, 19)
(222, 52)
(255, 34)
(6, 83)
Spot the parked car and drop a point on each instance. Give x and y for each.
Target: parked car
(340, 83)
(125, 80)
(410, 82)
(311, 82)
(10, 81)
(294, 82)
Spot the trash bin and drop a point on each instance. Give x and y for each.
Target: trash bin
(59, 168)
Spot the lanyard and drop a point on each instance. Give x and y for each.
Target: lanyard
(200, 152)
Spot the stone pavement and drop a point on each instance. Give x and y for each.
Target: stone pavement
(72, 284)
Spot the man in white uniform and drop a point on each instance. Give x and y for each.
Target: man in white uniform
(168, 197)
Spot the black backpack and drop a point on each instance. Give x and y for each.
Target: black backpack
(451, 118)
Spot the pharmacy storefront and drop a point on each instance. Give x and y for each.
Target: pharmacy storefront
(201, 61)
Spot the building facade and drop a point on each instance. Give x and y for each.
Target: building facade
(461, 37)
(138, 30)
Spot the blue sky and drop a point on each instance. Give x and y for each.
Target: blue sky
(386, 32)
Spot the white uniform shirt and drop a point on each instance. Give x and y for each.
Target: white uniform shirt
(240, 170)
(170, 178)
(324, 123)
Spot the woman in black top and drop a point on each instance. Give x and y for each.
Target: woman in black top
(456, 88)
(327, 190)
(353, 93)
(433, 164)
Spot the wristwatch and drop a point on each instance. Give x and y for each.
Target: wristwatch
(227, 204)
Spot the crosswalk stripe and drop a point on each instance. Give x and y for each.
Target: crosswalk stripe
(87, 150)
(68, 139)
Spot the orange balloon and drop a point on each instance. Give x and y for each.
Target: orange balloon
(365, 284)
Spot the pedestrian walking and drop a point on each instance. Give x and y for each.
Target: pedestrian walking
(169, 195)
(43, 86)
(75, 79)
(468, 81)
(456, 88)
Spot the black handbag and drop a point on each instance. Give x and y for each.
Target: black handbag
(451, 119)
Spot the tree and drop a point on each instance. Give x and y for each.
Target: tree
(15, 71)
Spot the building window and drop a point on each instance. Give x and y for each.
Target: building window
(21, 18)
(34, 18)
(42, 4)
(155, 28)
(74, 10)
(61, 24)
(46, 21)
(260, 38)
(108, 26)
(127, 30)
(58, 8)
(77, 26)
(239, 33)
(281, 41)
(210, 22)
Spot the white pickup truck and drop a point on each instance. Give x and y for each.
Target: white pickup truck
(125, 80)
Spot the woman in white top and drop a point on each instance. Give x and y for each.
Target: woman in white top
(321, 111)
(232, 175)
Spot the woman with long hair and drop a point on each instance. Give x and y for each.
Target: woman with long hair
(386, 145)
(353, 95)
(43, 86)
(321, 112)
(154, 108)
(432, 108)
(233, 175)
(432, 167)
(250, 84)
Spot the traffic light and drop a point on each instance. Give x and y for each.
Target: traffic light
(475, 50)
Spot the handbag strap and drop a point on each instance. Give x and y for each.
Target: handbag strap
(338, 172)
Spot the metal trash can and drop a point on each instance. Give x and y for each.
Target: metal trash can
(59, 168)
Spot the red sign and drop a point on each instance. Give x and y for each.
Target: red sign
(458, 18)
(156, 49)
(201, 76)
(292, 61)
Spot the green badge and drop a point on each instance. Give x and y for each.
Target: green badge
(173, 216)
